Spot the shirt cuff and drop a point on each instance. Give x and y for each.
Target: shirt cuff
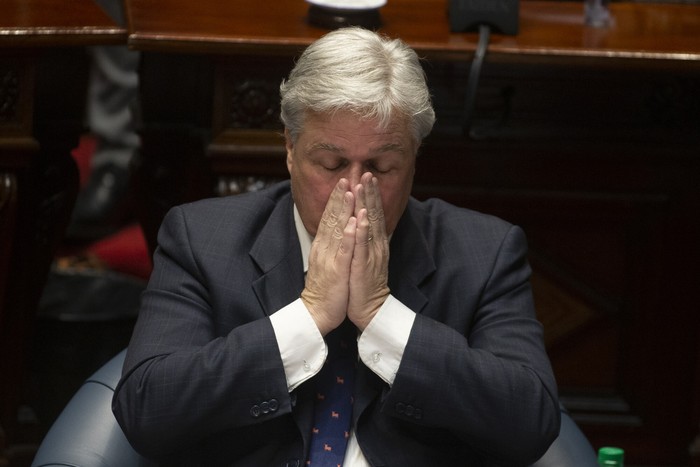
(384, 340)
(301, 345)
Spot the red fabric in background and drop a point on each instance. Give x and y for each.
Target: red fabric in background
(82, 155)
(125, 251)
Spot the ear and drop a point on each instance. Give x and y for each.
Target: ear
(289, 145)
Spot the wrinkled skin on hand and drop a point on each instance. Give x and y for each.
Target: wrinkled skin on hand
(369, 270)
(328, 278)
(349, 258)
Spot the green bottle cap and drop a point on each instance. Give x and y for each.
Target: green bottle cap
(610, 456)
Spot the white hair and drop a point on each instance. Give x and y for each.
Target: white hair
(353, 69)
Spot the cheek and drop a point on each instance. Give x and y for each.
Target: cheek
(394, 199)
(319, 195)
(311, 196)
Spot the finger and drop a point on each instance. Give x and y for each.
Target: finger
(361, 194)
(364, 234)
(345, 215)
(347, 245)
(373, 203)
(336, 213)
(363, 241)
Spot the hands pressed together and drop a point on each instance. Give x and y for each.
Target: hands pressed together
(349, 259)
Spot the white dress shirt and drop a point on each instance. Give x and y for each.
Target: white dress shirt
(303, 349)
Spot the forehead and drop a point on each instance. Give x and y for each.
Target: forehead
(345, 131)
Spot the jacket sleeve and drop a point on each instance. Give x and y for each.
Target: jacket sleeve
(183, 378)
(492, 386)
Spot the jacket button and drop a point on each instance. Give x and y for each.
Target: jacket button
(255, 411)
(292, 463)
(274, 405)
(409, 410)
(400, 407)
(417, 414)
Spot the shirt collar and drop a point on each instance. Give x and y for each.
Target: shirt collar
(305, 238)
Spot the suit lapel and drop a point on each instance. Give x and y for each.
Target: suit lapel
(278, 255)
(410, 262)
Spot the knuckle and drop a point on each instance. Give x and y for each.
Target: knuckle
(330, 219)
(375, 214)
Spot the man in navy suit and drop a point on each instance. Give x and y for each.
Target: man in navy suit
(222, 367)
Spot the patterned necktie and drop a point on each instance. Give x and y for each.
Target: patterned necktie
(333, 405)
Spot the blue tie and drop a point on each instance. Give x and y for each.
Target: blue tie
(333, 405)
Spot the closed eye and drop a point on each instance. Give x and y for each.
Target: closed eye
(333, 166)
(379, 167)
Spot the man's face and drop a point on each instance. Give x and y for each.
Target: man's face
(341, 145)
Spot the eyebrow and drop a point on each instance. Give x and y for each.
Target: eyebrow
(325, 147)
(392, 147)
(389, 147)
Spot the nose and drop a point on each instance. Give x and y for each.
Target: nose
(354, 174)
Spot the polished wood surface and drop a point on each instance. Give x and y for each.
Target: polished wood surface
(43, 84)
(662, 31)
(53, 23)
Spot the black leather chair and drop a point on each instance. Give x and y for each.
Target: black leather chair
(86, 434)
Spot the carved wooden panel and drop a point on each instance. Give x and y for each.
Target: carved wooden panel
(16, 88)
(43, 99)
(8, 219)
(9, 91)
(246, 115)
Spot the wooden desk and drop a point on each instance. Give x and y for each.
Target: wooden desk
(585, 137)
(553, 29)
(43, 78)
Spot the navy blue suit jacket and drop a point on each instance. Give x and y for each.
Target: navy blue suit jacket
(204, 384)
